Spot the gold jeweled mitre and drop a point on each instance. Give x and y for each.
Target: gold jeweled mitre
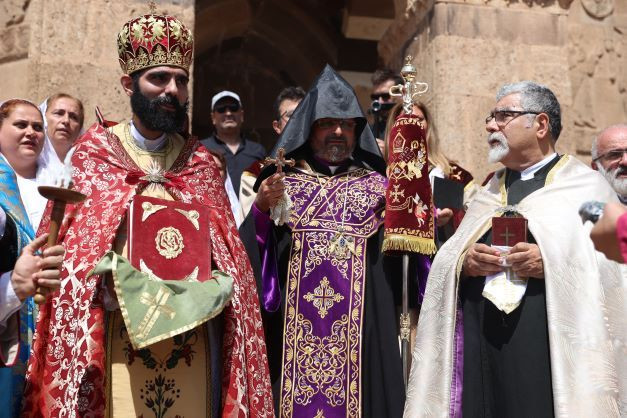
(152, 40)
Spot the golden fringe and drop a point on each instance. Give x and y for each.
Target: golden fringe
(396, 242)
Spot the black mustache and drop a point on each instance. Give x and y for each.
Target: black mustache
(166, 100)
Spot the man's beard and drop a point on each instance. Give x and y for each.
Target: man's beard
(612, 176)
(499, 150)
(153, 116)
(336, 152)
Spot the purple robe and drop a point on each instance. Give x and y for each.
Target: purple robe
(330, 224)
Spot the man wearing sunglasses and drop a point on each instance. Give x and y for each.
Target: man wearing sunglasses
(522, 330)
(227, 116)
(382, 101)
(609, 152)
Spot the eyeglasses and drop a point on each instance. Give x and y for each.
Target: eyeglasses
(612, 156)
(503, 117)
(286, 115)
(384, 96)
(233, 107)
(344, 124)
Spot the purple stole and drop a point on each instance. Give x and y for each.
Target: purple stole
(325, 290)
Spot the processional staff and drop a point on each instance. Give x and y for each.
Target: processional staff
(409, 223)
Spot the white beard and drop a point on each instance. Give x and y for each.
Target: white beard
(497, 151)
(618, 184)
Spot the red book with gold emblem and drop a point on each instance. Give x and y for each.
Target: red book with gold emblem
(509, 231)
(169, 240)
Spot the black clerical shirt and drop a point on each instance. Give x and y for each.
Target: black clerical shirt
(507, 368)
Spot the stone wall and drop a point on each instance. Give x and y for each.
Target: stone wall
(70, 46)
(466, 49)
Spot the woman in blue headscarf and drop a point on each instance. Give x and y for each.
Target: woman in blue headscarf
(21, 140)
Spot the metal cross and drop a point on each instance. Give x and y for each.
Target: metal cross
(507, 235)
(280, 160)
(157, 307)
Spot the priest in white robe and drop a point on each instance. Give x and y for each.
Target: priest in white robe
(548, 338)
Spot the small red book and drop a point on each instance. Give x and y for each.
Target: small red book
(169, 240)
(509, 231)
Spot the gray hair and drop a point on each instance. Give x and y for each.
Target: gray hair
(594, 152)
(537, 98)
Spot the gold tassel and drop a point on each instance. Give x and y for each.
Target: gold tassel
(420, 245)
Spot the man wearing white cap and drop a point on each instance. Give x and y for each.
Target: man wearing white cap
(227, 115)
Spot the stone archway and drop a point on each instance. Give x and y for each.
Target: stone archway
(257, 47)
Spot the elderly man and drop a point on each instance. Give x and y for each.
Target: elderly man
(608, 157)
(328, 305)
(523, 332)
(178, 329)
(227, 116)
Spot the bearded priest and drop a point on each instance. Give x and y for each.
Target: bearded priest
(327, 291)
(128, 338)
(521, 316)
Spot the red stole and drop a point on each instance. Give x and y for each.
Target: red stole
(66, 373)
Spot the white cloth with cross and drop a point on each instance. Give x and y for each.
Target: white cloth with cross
(504, 289)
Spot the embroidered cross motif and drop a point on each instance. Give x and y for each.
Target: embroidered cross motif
(323, 297)
(156, 307)
(397, 193)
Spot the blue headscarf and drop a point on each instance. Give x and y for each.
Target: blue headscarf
(12, 378)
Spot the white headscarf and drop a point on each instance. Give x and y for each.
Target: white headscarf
(51, 166)
(49, 162)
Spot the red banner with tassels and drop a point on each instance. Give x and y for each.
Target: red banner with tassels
(409, 223)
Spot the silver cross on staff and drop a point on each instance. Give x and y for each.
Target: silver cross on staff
(279, 161)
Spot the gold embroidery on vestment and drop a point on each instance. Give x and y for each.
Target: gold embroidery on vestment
(323, 297)
(320, 362)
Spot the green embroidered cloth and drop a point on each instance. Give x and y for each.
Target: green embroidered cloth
(154, 310)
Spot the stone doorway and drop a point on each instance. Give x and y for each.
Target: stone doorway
(258, 47)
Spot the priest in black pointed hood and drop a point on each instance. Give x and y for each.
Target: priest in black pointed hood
(326, 289)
